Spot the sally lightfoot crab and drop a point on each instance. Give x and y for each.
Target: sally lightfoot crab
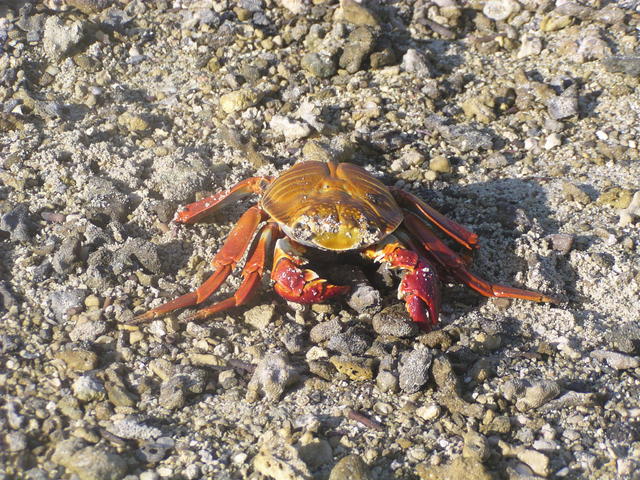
(335, 207)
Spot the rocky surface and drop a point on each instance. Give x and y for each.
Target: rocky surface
(516, 118)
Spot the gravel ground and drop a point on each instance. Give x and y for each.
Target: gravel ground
(518, 119)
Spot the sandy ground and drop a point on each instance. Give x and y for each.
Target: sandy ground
(518, 120)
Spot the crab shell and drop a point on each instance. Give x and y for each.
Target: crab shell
(332, 206)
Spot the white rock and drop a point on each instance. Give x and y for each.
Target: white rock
(291, 129)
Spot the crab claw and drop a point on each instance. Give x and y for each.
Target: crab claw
(420, 289)
(420, 286)
(297, 284)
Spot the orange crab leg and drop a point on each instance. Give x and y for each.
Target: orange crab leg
(225, 260)
(297, 284)
(454, 265)
(196, 211)
(453, 229)
(252, 274)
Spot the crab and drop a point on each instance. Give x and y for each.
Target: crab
(333, 207)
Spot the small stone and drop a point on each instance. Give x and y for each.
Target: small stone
(319, 65)
(553, 22)
(552, 141)
(290, 129)
(120, 396)
(475, 446)
(459, 468)
(414, 368)
(87, 388)
(354, 342)
(78, 360)
(325, 330)
(500, 10)
(315, 452)
(15, 441)
(260, 316)
(356, 368)
(418, 63)
(61, 38)
(133, 123)
(96, 463)
(387, 382)
(17, 223)
(616, 360)
(561, 242)
(359, 44)
(393, 320)
(563, 106)
(173, 392)
(440, 164)
(616, 197)
(429, 412)
(239, 100)
(629, 65)
(537, 394)
(133, 428)
(279, 460)
(351, 467)
(537, 461)
(573, 193)
(356, 12)
(273, 374)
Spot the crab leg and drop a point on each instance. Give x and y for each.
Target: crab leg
(455, 265)
(419, 287)
(252, 273)
(294, 283)
(456, 231)
(196, 211)
(225, 260)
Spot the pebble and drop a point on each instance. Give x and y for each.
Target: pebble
(359, 44)
(315, 452)
(18, 224)
(440, 164)
(561, 242)
(552, 141)
(357, 13)
(500, 10)
(563, 106)
(627, 64)
(273, 374)
(393, 321)
(429, 412)
(318, 65)
(537, 461)
(279, 460)
(459, 468)
(356, 368)
(239, 100)
(173, 392)
(15, 441)
(260, 316)
(325, 330)
(351, 467)
(475, 446)
(530, 395)
(78, 359)
(291, 130)
(616, 360)
(354, 341)
(87, 388)
(91, 463)
(414, 368)
(418, 63)
(386, 381)
(61, 38)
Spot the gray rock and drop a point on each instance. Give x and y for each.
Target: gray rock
(65, 300)
(325, 330)
(530, 395)
(93, 463)
(272, 376)
(475, 445)
(359, 44)
(625, 337)
(386, 381)
(15, 441)
(7, 300)
(140, 250)
(321, 66)
(87, 388)
(418, 63)
(414, 368)
(260, 316)
(133, 428)
(173, 392)
(629, 65)
(66, 255)
(351, 467)
(17, 223)
(354, 341)
(154, 452)
(394, 321)
(61, 38)
(563, 106)
(616, 360)
(105, 202)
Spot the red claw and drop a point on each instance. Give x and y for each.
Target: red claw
(300, 285)
(420, 289)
